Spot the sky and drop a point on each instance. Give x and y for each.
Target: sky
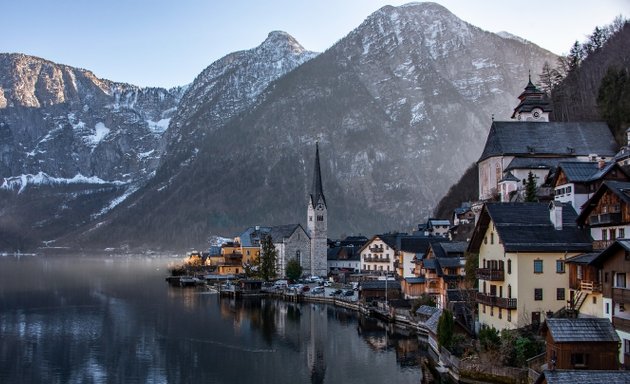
(168, 43)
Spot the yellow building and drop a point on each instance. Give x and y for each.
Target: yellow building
(522, 249)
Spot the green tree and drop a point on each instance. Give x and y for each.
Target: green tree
(470, 268)
(268, 257)
(445, 328)
(613, 101)
(489, 338)
(530, 188)
(294, 269)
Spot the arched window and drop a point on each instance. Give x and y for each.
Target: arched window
(509, 266)
(298, 256)
(509, 291)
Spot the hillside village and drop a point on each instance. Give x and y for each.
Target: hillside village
(547, 251)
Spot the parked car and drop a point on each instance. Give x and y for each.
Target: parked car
(349, 293)
(336, 292)
(306, 288)
(318, 290)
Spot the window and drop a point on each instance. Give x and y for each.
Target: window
(569, 189)
(594, 299)
(492, 238)
(298, 256)
(538, 294)
(500, 313)
(622, 233)
(310, 218)
(604, 234)
(613, 234)
(485, 240)
(620, 280)
(608, 308)
(559, 266)
(579, 359)
(509, 291)
(509, 313)
(538, 266)
(626, 346)
(579, 272)
(320, 217)
(509, 268)
(560, 294)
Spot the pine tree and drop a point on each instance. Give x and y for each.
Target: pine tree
(268, 256)
(530, 188)
(445, 329)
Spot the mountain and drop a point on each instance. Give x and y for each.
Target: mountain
(401, 107)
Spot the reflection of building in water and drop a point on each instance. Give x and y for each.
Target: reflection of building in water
(315, 352)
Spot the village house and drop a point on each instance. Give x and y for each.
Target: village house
(378, 254)
(522, 248)
(584, 343)
(607, 213)
(344, 259)
(442, 269)
(576, 181)
(614, 266)
(530, 143)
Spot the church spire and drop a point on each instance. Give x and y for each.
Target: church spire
(317, 192)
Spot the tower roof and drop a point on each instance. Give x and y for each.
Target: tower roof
(531, 98)
(317, 191)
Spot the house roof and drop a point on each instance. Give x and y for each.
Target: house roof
(380, 284)
(317, 191)
(420, 244)
(252, 235)
(584, 258)
(509, 177)
(558, 139)
(559, 376)
(450, 262)
(415, 280)
(426, 310)
(585, 171)
(581, 330)
(619, 188)
(527, 227)
(432, 322)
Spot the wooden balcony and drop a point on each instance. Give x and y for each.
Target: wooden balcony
(374, 259)
(490, 274)
(590, 286)
(605, 218)
(501, 302)
(621, 295)
(602, 244)
(376, 249)
(621, 323)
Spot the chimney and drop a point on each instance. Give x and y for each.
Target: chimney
(555, 214)
(601, 163)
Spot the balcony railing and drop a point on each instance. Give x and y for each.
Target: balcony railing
(490, 274)
(605, 218)
(376, 249)
(233, 256)
(590, 286)
(602, 244)
(501, 302)
(621, 295)
(374, 259)
(621, 323)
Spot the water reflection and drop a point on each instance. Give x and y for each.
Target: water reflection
(67, 320)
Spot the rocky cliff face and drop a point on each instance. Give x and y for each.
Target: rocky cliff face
(65, 122)
(401, 107)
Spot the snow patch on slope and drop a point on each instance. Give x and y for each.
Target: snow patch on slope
(21, 182)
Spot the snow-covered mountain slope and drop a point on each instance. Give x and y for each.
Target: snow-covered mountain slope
(401, 107)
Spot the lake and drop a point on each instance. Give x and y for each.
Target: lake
(115, 320)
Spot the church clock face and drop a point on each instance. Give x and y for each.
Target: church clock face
(536, 113)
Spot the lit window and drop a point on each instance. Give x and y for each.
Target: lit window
(538, 266)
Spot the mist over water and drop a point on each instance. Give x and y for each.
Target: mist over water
(115, 320)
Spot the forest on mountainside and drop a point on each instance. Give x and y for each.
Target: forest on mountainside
(591, 83)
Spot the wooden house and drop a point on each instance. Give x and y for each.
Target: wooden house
(583, 343)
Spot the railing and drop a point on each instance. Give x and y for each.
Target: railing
(376, 249)
(490, 274)
(501, 302)
(376, 259)
(232, 256)
(590, 286)
(621, 323)
(602, 244)
(621, 295)
(605, 218)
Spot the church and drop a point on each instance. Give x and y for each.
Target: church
(531, 143)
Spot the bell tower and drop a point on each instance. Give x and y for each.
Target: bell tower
(317, 224)
(533, 106)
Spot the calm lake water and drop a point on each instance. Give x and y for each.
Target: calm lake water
(115, 320)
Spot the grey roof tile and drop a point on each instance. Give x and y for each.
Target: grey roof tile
(585, 377)
(581, 330)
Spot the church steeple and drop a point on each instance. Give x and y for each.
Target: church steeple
(317, 192)
(534, 104)
(317, 224)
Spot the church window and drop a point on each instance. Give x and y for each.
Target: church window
(320, 217)
(298, 256)
(310, 218)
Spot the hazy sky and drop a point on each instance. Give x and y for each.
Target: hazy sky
(168, 43)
